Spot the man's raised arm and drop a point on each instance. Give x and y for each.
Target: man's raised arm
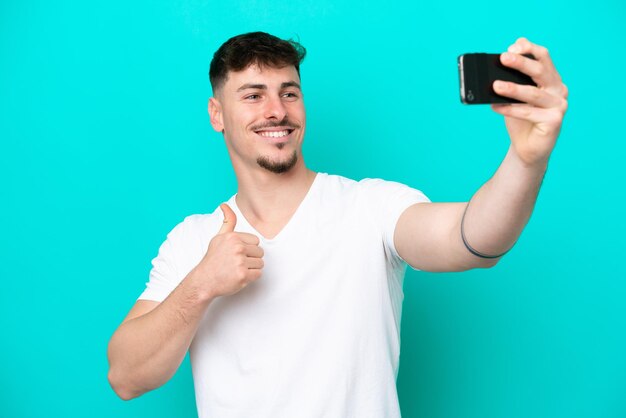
(460, 236)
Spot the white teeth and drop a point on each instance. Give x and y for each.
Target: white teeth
(274, 134)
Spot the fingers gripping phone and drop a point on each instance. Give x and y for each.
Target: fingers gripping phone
(477, 72)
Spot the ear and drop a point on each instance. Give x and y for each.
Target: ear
(215, 113)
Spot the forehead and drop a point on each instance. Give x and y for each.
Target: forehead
(268, 76)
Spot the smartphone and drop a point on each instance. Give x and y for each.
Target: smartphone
(477, 72)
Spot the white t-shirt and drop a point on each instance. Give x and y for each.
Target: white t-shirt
(318, 335)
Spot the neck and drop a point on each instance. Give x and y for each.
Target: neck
(268, 200)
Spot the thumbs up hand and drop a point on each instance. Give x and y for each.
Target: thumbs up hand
(233, 259)
(230, 219)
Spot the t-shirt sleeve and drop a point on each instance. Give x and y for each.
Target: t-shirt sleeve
(389, 200)
(183, 249)
(165, 274)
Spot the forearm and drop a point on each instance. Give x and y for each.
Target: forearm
(501, 208)
(146, 351)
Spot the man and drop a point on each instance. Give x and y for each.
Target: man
(288, 296)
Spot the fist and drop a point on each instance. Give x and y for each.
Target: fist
(233, 259)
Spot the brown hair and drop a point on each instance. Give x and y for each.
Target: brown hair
(259, 48)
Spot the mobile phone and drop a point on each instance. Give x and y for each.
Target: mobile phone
(478, 71)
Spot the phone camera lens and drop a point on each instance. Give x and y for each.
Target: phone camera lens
(470, 96)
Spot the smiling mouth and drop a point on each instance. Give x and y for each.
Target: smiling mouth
(275, 133)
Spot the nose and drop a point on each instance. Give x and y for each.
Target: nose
(275, 109)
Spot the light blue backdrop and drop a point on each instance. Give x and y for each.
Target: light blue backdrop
(105, 145)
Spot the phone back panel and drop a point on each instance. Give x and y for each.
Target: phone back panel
(477, 73)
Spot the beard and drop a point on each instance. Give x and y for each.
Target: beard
(278, 167)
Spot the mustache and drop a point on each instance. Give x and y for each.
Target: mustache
(285, 123)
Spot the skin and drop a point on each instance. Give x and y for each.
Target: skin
(148, 347)
(251, 102)
(500, 209)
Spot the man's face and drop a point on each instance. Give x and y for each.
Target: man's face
(261, 112)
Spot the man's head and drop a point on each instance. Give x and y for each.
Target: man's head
(258, 103)
(254, 48)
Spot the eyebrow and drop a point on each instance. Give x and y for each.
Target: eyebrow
(290, 84)
(264, 87)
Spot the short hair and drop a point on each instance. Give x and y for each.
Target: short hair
(259, 48)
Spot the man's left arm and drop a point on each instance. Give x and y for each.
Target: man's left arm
(460, 236)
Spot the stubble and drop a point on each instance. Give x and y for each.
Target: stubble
(278, 167)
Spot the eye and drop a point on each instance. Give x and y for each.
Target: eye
(252, 97)
(290, 95)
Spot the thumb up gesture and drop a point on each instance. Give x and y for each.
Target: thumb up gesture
(233, 259)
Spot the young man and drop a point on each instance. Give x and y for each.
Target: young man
(288, 296)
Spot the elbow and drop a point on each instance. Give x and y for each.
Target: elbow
(119, 376)
(121, 389)
(471, 262)
(489, 262)
(483, 263)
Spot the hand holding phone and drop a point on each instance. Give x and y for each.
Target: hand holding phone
(478, 71)
(534, 123)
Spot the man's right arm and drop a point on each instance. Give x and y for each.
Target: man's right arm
(151, 343)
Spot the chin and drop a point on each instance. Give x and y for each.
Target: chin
(278, 166)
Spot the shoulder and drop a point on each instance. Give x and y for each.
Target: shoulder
(375, 188)
(381, 185)
(196, 228)
(334, 181)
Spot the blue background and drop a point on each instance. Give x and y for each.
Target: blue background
(105, 145)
